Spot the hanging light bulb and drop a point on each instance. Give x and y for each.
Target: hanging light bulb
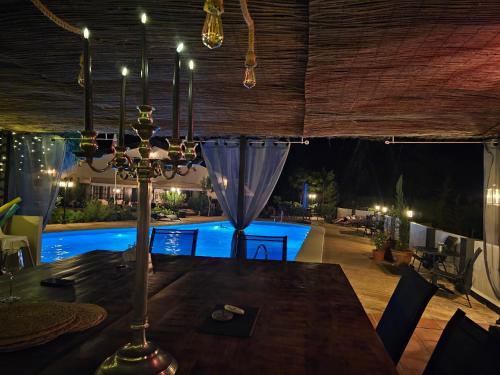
(212, 34)
(250, 80)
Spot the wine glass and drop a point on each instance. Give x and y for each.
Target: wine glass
(10, 264)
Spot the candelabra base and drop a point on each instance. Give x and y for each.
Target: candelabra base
(145, 359)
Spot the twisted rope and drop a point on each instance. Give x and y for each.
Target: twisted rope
(58, 21)
(250, 59)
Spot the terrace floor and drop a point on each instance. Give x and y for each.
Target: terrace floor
(374, 286)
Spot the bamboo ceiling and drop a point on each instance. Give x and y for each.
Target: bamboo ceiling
(325, 67)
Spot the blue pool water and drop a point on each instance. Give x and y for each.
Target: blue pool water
(214, 239)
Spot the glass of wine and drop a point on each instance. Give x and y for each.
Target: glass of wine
(10, 264)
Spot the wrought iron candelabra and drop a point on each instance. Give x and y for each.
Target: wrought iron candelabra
(140, 356)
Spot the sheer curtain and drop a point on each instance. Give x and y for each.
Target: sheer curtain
(264, 161)
(486, 276)
(35, 168)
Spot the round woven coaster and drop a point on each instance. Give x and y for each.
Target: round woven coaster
(31, 321)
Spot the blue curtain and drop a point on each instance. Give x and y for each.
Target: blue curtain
(35, 168)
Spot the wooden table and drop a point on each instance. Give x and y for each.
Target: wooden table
(310, 320)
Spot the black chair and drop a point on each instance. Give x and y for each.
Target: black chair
(265, 247)
(464, 348)
(173, 241)
(463, 279)
(401, 316)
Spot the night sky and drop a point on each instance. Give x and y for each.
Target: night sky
(367, 171)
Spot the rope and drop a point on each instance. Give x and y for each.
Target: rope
(58, 21)
(250, 59)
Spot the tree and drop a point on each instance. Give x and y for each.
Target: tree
(323, 183)
(297, 181)
(400, 209)
(207, 187)
(320, 182)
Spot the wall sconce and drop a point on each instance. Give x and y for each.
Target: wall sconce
(493, 197)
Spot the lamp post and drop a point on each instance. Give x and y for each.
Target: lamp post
(67, 182)
(312, 197)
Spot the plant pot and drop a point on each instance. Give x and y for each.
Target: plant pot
(401, 257)
(378, 255)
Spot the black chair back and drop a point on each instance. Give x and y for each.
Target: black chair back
(430, 238)
(173, 241)
(467, 272)
(265, 247)
(401, 316)
(464, 348)
(450, 244)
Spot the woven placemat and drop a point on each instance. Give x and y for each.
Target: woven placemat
(87, 316)
(33, 324)
(24, 322)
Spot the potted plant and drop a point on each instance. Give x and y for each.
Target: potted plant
(379, 240)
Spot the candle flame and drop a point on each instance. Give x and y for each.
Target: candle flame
(144, 18)
(86, 33)
(124, 71)
(180, 47)
(191, 64)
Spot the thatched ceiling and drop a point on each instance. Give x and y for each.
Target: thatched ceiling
(326, 67)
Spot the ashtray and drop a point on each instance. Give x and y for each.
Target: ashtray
(222, 315)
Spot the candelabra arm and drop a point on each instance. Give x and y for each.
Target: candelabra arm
(182, 174)
(90, 163)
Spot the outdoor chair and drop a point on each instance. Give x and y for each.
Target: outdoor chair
(430, 261)
(464, 348)
(172, 242)
(403, 312)
(462, 280)
(265, 247)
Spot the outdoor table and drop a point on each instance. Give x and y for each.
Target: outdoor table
(310, 319)
(434, 253)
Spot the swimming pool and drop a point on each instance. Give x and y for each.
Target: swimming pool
(214, 239)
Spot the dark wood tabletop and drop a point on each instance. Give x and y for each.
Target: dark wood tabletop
(310, 319)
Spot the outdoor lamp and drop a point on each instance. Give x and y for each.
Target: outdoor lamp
(377, 207)
(409, 214)
(493, 197)
(385, 209)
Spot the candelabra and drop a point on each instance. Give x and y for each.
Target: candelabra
(141, 356)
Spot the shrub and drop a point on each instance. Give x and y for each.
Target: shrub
(172, 199)
(96, 211)
(163, 210)
(119, 213)
(379, 240)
